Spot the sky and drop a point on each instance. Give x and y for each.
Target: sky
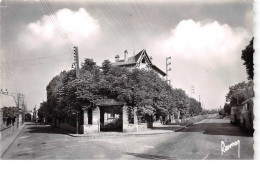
(204, 39)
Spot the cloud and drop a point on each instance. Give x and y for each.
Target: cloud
(207, 56)
(77, 25)
(207, 43)
(44, 52)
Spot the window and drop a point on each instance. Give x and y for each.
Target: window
(143, 61)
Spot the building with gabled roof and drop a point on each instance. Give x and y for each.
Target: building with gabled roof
(140, 60)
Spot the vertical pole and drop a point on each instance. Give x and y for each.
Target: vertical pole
(167, 69)
(77, 76)
(77, 124)
(77, 60)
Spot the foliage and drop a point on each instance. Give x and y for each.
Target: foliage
(141, 89)
(10, 112)
(239, 93)
(43, 111)
(227, 109)
(195, 107)
(248, 57)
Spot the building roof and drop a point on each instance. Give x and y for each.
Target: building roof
(7, 101)
(131, 61)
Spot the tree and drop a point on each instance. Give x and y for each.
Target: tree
(106, 66)
(248, 57)
(239, 93)
(195, 108)
(227, 109)
(181, 102)
(10, 114)
(43, 112)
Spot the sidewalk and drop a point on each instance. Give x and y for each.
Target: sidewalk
(8, 140)
(167, 129)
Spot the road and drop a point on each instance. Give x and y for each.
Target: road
(199, 141)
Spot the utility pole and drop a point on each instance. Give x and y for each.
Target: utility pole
(76, 59)
(168, 69)
(192, 91)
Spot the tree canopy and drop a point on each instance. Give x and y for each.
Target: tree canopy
(138, 88)
(240, 92)
(248, 58)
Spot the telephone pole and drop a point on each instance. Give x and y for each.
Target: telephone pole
(192, 91)
(76, 64)
(168, 69)
(76, 61)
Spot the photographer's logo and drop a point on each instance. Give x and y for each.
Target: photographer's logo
(225, 148)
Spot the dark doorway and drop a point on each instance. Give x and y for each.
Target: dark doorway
(111, 118)
(89, 116)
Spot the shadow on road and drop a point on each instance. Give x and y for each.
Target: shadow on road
(41, 128)
(218, 129)
(149, 156)
(173, 128)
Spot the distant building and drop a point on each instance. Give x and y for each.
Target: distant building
(140, 60)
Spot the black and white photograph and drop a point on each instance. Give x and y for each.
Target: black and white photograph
(127, 80)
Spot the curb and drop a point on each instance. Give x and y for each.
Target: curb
(119, 135)
(123, 134)
(19, 132)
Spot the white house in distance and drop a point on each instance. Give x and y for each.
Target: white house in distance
(140, 60)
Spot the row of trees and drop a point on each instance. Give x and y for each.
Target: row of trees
(143, 89)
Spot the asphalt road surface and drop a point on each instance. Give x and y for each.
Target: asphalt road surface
(199, 141)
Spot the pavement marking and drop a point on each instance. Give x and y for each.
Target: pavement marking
(48, 147)
(204, 158)
(149, 146)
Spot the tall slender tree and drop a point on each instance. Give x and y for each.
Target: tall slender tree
(248, 57)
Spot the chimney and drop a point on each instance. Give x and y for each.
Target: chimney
(125, 52)
(117, 58)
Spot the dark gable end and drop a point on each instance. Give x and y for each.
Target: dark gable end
(137, 59)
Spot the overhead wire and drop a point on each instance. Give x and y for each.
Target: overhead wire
(58, 23)
(121, 19)
(54, 19)
(44, 11)
(128, 25)
(140, 20)
(115, 20)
